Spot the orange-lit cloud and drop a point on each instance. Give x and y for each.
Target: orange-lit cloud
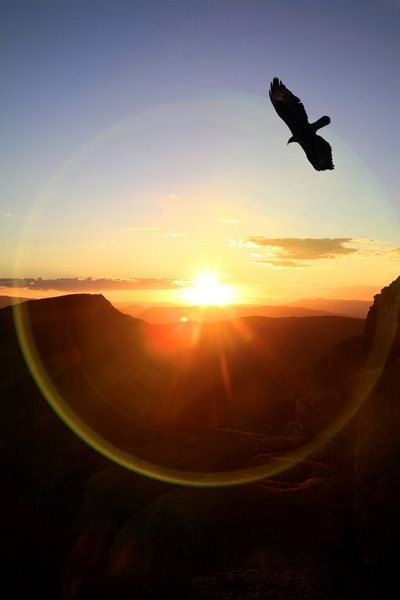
(74, 284)
(229, 221)
(304, 248)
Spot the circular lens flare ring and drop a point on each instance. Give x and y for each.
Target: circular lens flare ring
(362, 388)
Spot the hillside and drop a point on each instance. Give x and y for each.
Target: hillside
(106, 364)
(10, 300)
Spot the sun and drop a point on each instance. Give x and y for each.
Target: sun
(208, 290)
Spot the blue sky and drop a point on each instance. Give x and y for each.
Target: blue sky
(112, 112)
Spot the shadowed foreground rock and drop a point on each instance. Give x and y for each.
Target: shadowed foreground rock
(189, 531)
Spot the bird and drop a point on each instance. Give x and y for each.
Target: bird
(292, 111)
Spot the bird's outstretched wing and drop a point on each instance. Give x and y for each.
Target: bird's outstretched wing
(288, 106)
(318, 152)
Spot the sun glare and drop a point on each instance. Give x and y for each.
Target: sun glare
(208, 290)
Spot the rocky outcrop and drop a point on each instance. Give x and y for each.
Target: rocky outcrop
(377, 458)
(386, 302)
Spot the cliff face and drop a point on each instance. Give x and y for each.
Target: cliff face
(386, 302)
(377, 451)
(368, 447)
(384, 313)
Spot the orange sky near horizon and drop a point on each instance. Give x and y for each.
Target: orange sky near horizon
(181, 297)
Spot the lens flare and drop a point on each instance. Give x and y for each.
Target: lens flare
(208, 290)
(362, 388)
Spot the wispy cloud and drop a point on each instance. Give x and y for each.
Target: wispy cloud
(230, 221)
(392, 254)
(279, 264)
(74, 284)
(17, 216)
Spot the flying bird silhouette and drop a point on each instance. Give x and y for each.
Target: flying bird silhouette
(292, 111)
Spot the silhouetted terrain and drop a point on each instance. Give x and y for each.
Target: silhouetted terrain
(10, 300)
(216, 374)
(211, 397)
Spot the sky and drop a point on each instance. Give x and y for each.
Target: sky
(140, 152)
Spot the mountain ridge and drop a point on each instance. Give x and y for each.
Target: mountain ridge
(82, 338)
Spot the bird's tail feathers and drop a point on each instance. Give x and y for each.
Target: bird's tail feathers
(321, 123)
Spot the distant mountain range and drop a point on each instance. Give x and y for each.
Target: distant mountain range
(348, 308)
(161, 313)
(303, 308)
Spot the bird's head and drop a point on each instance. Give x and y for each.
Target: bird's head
(291, 140)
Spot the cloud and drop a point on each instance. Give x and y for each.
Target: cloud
(229, 220)
(17, 216)
(74, 284)
(279, 264)
(303, 248)
(392, 254)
